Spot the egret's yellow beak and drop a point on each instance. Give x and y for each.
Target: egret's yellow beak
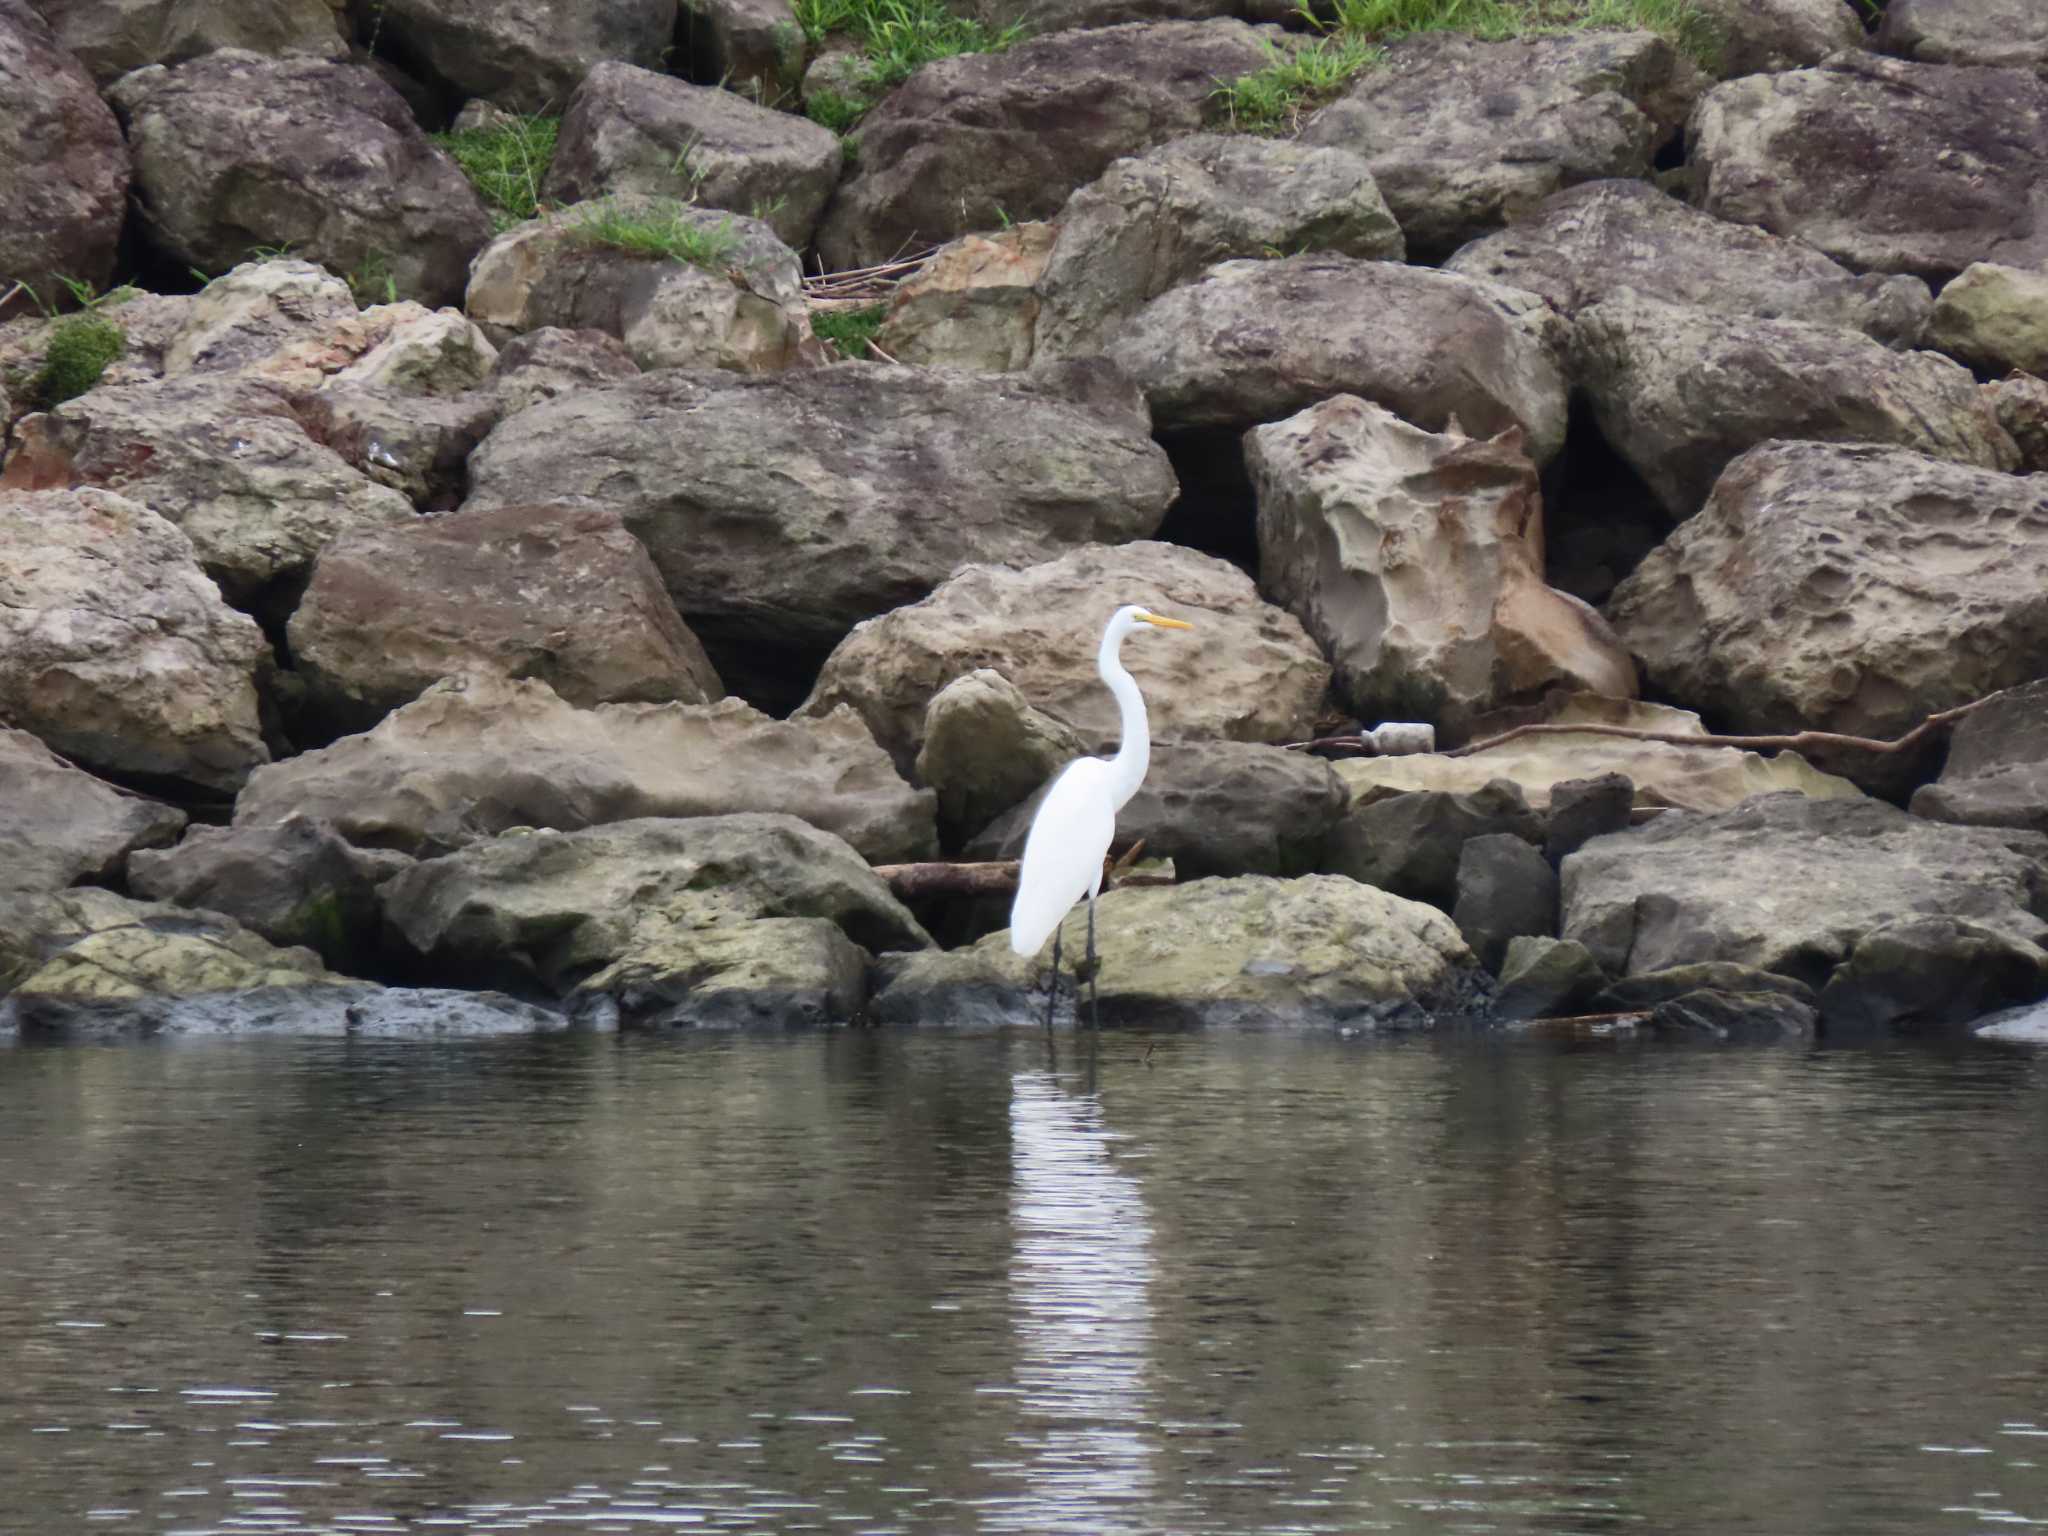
(1153, 618)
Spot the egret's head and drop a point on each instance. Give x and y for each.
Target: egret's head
(1132, 616)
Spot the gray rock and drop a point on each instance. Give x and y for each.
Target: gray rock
(633, 130)
(1653, 988)
(985, 748)
(1759, 37)
(2007, 32)
(1464, 136)
(59, 825)
(1886, 166)
(969, 141)
(1791, 885)
(115, 649)
(1739, 1017)
(1546, 978)
(1994, 319)
(2021, 405)
(975, 304)
(1252, 953)
(254, 311)
(772, 973)
(523, 55)
(1822, 587)
(1593, 241)
(112, 37)
(233, 150)
(1997, 769)
(1506, 890)
(1412, 844)
(548, 363)
(1213, 808)
(754, 47)
(1258, 340)
(1158, 220)
(471, 758)
(1680, 392)
(1930, 974)
(1247, 673)
(63, 168)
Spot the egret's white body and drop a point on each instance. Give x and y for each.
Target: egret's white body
(1071, 833)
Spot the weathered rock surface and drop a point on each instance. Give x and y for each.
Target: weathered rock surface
(1464, 136)
(974, 305)
(112, 37)
(747, 313)
(522, 55)
(1160, 219)
(1993, 318)
(2009, 32)
(780, 511)
(970, 140)
(1650, 989)
(985, 748)
(548, 363)
(1680, 392)
(633, 130)
(562, 594)
(255, 311)
(1887, 166)
(1213, 808)
(1506, 890)
(63, 168)
(1763, 36)
(1412, 844)
(295, 881)
(1797, 886)
(1583, 809)
(2020, 402)
(1997, 769)
(1593, 241)
(1930, 973)
(1258, 340)
(233, 151)
(1248, 673)
(1744, 1017)
(754, 47)
(1546, 978)
(471, 758)
(60, 826)
(1820, 587)
(1253, 953)
(1415, 560)
(115, 649)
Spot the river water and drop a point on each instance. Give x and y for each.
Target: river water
(894, 1283)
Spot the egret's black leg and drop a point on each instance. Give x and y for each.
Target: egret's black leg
(1094, 1011)
(1052, 995)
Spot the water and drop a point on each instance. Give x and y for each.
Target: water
(881, 1283)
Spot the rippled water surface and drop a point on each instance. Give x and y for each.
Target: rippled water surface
(873, 1283)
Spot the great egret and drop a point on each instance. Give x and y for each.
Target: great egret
(1069, 836)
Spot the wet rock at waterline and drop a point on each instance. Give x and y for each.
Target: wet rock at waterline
(1416, 561)
(1590, 242)
(970, 141)
(473, 757)
(986, 749)
(1930, 974)
(1680, 392)
(1465, 135)
(1741, 1017)
(739, 307)
(1820, 588)
(1506, 890)
(1542, 977)
(1252, 953)
(113, 37)
(1996, 773)
(234, 150)
(2008, 32)
(59, 825)
(1651, 989)
(1412, 844)
(1248, 672)
(561, 594)
(521, 55)
(1160, 219)
(1255, 341)
(115, 648)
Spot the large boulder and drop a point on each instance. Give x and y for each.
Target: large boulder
(473, 757)
(1506, 891)
(1464, 136)
(1316, 952)
(1591, 242)
(253, 312)
(1849, 589)
(522, 55)
(1257, 340)
(975, 304)
(969, 141)
(112, 37)
(63, 168)
(1416, 561)
(1248, 672)
(1679, 392)
(738, 307)
(1886, 166)
(783, 510)
(754, 47)
(985, 748)
(633, 130)
(1413, 844)
(551, 362)
(115, 649)
(562, 594)
(1997, 769)
(1157, 220)
(1798, 886)
(2008, 32)
(1994, 318)
(234, 151)
(1930, 973)
(647, 913)
(1757, 37)
(59, 825)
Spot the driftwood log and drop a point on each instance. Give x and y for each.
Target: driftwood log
(996, 877)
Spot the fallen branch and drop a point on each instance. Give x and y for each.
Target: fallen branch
(996, 877)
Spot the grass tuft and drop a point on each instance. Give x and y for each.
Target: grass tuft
(850, 330)
(506, 163)
(664, 233)
(1295, 82)
(80, 349)
(896, 38)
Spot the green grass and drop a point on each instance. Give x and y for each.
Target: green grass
(834, 111)
(849, 330)
(79, 350)
(896, 39)
(659, 232)
(506, 164)
(1298, 80)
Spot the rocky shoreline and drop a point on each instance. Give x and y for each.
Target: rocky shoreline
(423, 613)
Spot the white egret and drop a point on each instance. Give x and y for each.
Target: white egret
(1070, 835)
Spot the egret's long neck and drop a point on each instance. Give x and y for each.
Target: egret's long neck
(1134, 752)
